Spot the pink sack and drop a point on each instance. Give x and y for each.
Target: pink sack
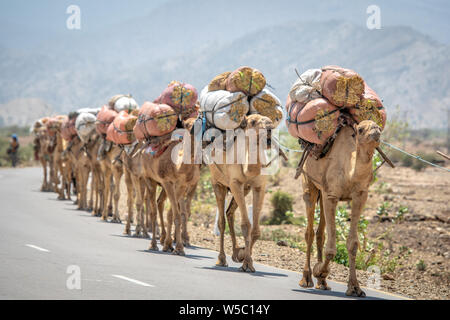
(104, 118)
(365, 110)
(68, 131)
(155, 120)
(342, 87)
(121, 130)
(180, 96)
(314, 122)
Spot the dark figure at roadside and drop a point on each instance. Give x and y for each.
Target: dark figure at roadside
(13, 150)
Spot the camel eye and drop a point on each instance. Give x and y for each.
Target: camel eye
(360, 130)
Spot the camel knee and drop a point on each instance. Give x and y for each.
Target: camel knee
(330, 253)
(245, 227)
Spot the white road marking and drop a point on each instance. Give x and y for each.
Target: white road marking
(37, 248)
(132, 280)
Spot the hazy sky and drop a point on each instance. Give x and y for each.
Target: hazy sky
(25, 23)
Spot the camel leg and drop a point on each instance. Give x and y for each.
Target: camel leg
(238, 253)
(100, 191)
(106, 194)
(179, 248)
(161, 199)
(117, 176)
(221, 192)
(322, 269)
(130, 182)
(320, 238)
(358, 202)
(258, 200)
(44, 181)
(237, 189)
(310, 197)
(90, 206)
(143, 192)
(151, 196)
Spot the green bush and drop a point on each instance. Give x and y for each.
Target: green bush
(282, 208)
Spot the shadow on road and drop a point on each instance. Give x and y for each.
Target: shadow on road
(189, 256)
(255, 274)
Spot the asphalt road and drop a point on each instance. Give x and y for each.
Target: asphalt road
(41, 238)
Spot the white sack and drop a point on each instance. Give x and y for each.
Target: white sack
(307, 87)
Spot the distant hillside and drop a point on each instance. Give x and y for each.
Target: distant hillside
(404, 66)
(23, 112)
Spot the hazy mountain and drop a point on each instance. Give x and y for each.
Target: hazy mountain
(195, 40)
(23, 112)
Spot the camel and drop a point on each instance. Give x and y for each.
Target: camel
(112, 170)
(96, 193)
(45, 157)
(59, 163)
(178, 181)
(344, 174)
(136, 182)
(240, 179)
(81, 168)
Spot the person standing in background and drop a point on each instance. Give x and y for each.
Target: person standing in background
(13, 150)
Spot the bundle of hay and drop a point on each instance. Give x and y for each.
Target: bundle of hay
(342, 87)
(319, 96)
(247, 80)
(85, 126)
(267, 104)
(369, 108)
(120, 131)
(230, 96)
(182, 97)
(155, 120)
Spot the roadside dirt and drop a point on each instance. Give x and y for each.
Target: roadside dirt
(418, 246)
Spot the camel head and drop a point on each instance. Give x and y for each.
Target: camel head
(259, 122)
(368, 133)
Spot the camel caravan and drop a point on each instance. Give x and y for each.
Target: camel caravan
(160, 147)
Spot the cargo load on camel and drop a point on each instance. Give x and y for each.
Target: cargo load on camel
(104, 118)
(122, 102)
(323, 100)
(85, 126)
(120, 131)
(231, 96)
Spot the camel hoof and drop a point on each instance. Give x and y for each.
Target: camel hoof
(167, 248)
(247, 268)
(306, 281)
(127, 233)
(221, 263)
(355, 292)
(322, 285)
(104, 219)
(153, 247)
(116, 220)
(178, 252)
(146, 235)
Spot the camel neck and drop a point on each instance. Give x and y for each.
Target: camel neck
(364, 155)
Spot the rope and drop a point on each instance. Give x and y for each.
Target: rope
(414, 156)
(286, 148)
